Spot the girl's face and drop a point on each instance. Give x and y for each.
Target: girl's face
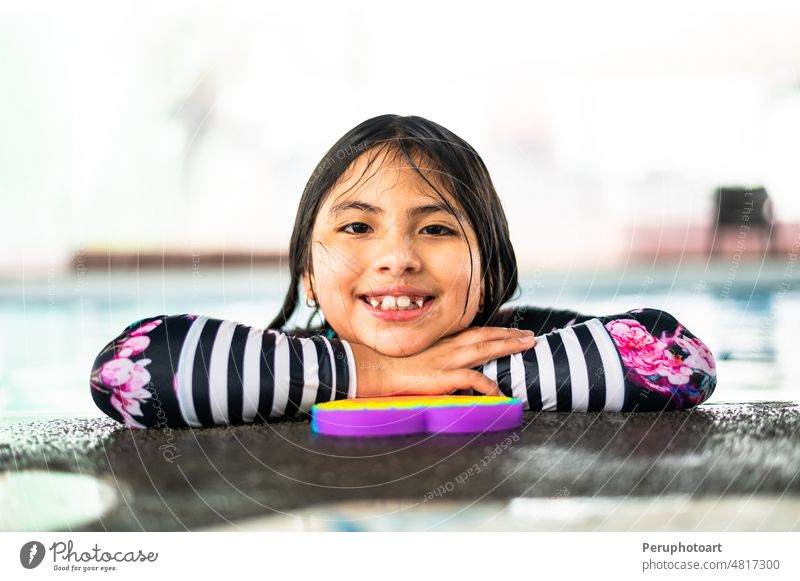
(384, 230)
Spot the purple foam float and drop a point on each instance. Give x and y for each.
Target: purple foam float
(403, 415)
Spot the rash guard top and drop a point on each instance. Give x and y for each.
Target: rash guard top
(194, 371)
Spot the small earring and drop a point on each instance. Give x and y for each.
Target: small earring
(310, 302)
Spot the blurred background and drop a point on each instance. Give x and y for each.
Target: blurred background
(152, 156)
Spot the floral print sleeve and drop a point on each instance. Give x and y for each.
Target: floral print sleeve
(188, 370)
(640, 360)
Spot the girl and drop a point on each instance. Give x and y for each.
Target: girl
(402, 249)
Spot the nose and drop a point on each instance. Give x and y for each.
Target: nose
(396, 254)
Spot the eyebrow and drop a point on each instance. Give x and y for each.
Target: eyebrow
(412, 212)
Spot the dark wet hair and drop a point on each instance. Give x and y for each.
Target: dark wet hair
(463, 172)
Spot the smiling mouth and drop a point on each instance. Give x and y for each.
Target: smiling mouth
(391, 303)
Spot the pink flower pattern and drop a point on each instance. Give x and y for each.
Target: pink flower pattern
(665, 364)
(125, 379)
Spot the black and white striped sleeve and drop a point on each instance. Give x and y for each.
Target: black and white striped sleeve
(195, 371)
(641, 360)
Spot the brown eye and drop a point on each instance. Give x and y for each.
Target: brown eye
(444, 230)
(353, 224)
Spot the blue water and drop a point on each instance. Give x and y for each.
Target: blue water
(52, 328)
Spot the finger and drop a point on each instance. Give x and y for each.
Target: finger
(485, 351)
(479, 334)
(478, 381)
(444, 383)
(464, 379)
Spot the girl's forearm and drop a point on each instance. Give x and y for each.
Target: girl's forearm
(193, 371)
(370, 365)
(642, 360)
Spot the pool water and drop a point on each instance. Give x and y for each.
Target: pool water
(52, 329)
(668, 512)
(47, 500)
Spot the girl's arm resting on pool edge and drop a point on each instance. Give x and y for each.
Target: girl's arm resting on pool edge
(641, 360)
(189, 370)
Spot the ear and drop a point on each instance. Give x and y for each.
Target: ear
(308, 282)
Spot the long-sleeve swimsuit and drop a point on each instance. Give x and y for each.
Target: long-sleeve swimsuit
(192, 371)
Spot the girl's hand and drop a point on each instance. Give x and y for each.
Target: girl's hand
(444, 367)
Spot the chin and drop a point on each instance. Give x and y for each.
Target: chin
(392, 348)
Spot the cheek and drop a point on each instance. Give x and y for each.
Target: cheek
(336, 277)
(460, 278)
(336, 255)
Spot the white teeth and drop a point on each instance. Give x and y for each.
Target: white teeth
(401, 303)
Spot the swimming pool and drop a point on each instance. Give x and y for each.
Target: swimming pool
(53, 327)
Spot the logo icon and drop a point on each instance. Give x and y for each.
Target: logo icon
(31, 554)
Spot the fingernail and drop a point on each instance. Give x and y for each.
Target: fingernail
(527, 339)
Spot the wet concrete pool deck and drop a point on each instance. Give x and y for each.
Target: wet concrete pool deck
(222, 477)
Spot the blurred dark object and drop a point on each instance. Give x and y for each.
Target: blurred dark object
(148, 259)
(744, 210)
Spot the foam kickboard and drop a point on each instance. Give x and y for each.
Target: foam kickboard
(401, 415)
